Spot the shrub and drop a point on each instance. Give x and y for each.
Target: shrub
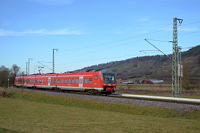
(3, 93)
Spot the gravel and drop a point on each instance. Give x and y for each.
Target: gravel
(169, 105)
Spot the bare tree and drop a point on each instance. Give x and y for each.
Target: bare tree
(7, 76)
(13, 73)
(4, 74)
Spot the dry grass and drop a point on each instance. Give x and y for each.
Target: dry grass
(4, 93)
(156, 89)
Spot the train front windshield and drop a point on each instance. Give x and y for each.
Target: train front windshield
(109, 78)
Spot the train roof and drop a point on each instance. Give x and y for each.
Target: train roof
(73, 72)
(84, 70)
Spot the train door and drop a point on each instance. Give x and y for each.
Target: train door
(25, 81)
(49, 81)
(81, 81)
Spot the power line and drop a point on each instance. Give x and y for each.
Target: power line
(191, 23)
(117, 40)
(109, 58)
(158, 40)
(157, 48)
(87, 47)
(103, 49)
(91, 46)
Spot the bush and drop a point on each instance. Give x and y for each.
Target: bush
(3, 93)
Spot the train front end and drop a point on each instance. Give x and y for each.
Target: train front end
(109, 81)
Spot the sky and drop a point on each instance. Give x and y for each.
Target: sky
(91, 32)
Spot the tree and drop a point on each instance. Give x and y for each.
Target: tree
(8, 75)
(4, 74)
(15, 69)
(13, 73)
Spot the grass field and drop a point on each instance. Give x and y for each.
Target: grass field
(146, 86)
(36, 112)
(156, 89)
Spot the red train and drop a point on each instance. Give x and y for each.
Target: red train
(94, 82)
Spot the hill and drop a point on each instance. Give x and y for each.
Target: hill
(158, 66)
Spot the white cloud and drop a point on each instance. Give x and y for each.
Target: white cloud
(39, 32)
(54, 2)
(142, 20)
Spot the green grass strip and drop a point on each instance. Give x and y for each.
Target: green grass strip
(104, 106)
(4, 130)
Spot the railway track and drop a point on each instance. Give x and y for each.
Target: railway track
(140, 100)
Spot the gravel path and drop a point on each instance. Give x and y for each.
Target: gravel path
(176, 106)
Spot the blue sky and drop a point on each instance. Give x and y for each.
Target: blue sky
(90, 32)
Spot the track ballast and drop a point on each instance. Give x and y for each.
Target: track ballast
(177, 105)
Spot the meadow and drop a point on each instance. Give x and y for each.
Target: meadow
(156, 89)
(35, 112)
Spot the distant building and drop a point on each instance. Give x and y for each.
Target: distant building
(146, 81)
(157, 81)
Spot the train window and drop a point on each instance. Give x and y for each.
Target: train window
(85, 81)
(76, 81)
(59, 81)
(72, 81)
(90, 80)
(95, 77)
(68, 81)
(49, 80)
(109, 78)
(53, 81)
(65, 81)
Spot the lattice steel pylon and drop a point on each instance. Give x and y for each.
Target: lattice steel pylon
(175, 60)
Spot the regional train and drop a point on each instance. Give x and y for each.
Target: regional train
(92, 82)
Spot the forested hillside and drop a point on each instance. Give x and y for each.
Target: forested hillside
(158, 66)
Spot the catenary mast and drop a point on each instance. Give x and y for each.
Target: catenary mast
(176, 76)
